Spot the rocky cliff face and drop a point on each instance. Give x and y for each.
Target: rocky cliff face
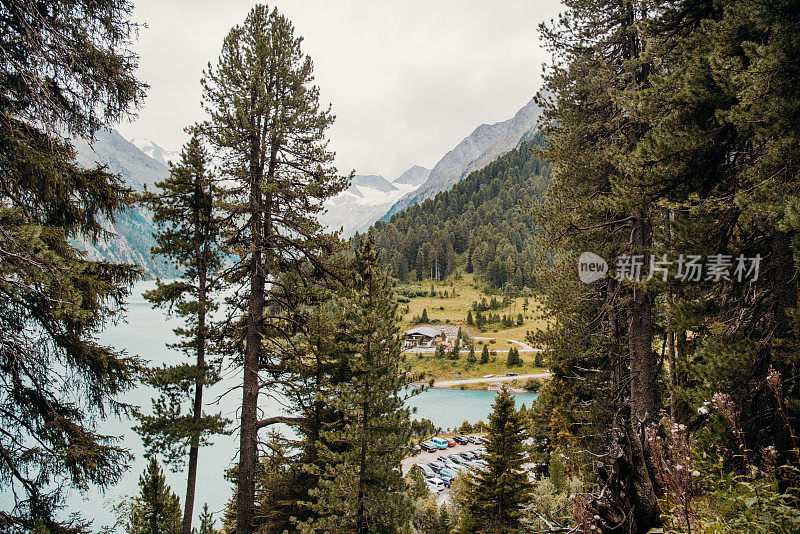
(133, 228)
(484, 145)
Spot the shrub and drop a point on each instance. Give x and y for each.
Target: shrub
(533, 385)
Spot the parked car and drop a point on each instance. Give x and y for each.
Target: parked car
(436, 465)
(457, 459)
(488, 376)
(479, 452)
(439, 442)
(511, 373)
(467, 455)
(427, 472)
(416, 449)
(452, 465)
(435, 485)
(474, 439)
(429, 447)
(450, 442)
(448, 473)
(461, 440)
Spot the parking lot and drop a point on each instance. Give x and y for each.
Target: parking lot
(426, 457)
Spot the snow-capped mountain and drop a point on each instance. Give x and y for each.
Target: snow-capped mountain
(484, 145)
(369, 196)
(156, 152)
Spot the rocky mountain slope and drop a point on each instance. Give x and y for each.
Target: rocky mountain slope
(369, 198)
(156, 152)
(484, 145)
(133, 228)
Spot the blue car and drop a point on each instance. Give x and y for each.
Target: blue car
(439, 442)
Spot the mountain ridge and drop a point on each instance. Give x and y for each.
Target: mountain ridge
(484, 145)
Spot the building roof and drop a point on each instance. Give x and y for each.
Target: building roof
(427, 331)
(433, 330)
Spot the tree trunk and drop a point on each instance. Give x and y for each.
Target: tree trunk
(248, 432)
(643, 379)
(671, 361)
(197, 415)
(361, 523)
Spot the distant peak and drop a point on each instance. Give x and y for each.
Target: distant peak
(374, 181)
(416, 175)
(150, 148)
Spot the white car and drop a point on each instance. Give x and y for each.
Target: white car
(435, 485)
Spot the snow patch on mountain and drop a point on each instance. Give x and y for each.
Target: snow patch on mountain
(369, 196)
(156, 152)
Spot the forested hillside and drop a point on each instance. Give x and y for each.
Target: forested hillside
(483, 224)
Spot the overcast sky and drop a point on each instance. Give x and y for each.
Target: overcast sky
(407, 79)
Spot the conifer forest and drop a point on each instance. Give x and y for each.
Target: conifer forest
(582, 319)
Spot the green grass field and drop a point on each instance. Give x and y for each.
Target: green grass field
(453, 310)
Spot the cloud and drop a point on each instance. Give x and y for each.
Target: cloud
(407, 80)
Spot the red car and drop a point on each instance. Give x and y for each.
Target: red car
(450, 442)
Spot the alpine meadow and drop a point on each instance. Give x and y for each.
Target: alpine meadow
(581, 318)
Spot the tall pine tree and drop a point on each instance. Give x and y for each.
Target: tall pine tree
(362, 488)
(498, 492)
(599, 202)
(188, 235)
(267, 125)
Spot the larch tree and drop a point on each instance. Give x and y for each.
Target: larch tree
(66, 70)
(268, 129)
(188, 236)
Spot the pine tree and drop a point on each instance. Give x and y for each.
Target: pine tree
(269, 130)
(362, 488)
(485, 354)
(470, 321)
(66, 70)
(513, 358)
(156, 510)
(471, 358)
(206, 522)
(188, 235)
(601, 201)
(498, 492)
(424, 318)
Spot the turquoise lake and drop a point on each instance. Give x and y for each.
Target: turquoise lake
(145, 334)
